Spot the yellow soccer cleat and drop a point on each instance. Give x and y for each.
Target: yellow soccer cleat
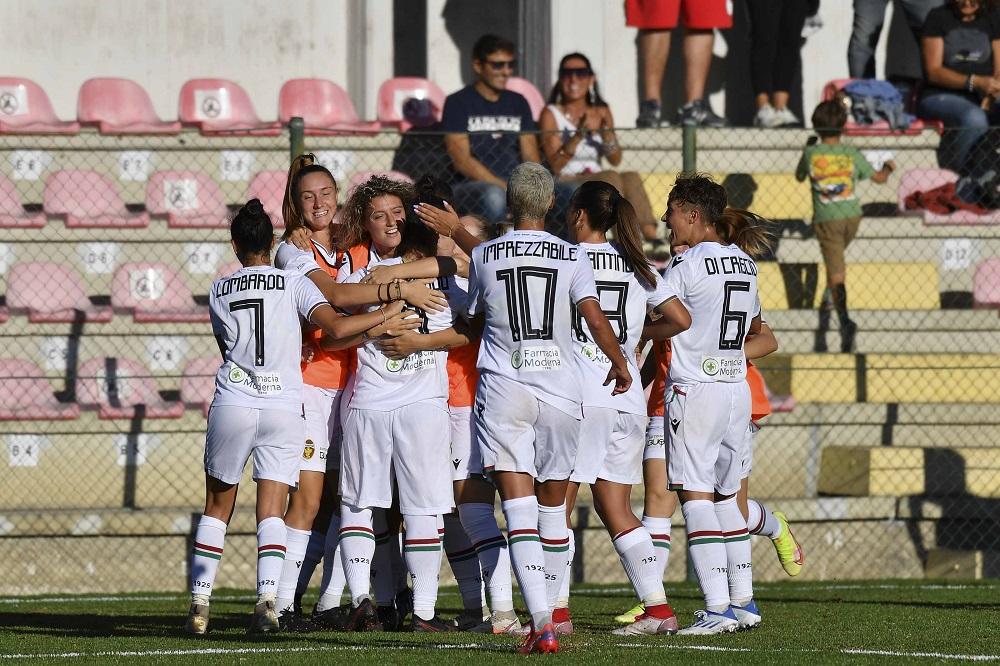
(631, 615)
(788, 548)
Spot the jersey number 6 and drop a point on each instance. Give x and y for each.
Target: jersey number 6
(737, 318)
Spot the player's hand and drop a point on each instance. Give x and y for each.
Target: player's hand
(398, 323)
(620, 375)
(423, 297)
(381, 275)
(401, 346)
(301, 238)
(442, 220)
(307, 352)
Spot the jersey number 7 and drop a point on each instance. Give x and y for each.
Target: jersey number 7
(256, 308)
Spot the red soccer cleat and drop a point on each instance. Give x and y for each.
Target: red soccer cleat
(542, 642)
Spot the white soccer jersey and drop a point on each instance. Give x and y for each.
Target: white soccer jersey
(718, 285)
(347, 268)
(624, 301)
(290, 258)
(524, 283)
(384, 384)
(255, 311)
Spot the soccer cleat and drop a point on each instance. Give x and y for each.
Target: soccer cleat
(197, 622)
(296, 623)
(709, 622)
(632, 614)
(789, 550)
(699, 114)
(542, 642)
(472, 621)
(562, 621)
(265, 619)
(649, 114)
(506, 622)
(748, 616)
(363, 618)
(331, 619)
(435, 625)
(404, 603)
(390, 618)
(647, 625)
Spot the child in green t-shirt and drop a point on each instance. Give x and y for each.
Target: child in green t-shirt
(834, 170)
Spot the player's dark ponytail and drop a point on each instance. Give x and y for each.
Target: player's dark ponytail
(300, 167)
(607, 209)
(252, 231)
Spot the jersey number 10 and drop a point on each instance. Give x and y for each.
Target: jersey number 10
(524, 286)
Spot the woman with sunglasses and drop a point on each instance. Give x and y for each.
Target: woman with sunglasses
(578, 133)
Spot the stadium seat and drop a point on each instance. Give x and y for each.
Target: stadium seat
(361, 176)
(198, 383)
(880, 128)
(392, 94)
(269, 187)
(64, 300)
(525, 87)
(324, 106)
(120, 106)
(12, 213)
(219, 106)
(155, 293)
(25, 394)
(88, 199)
(116, 386)
(922, 180)
(986, 283)
(188, 199)
(26, 109)
(228, 269)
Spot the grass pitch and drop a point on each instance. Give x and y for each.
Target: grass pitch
(822, 623)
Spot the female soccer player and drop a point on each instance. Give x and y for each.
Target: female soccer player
(257, 408)
(609, 456)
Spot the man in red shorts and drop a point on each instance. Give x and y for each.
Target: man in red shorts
(655, 19)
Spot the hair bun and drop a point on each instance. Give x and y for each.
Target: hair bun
(254, 207)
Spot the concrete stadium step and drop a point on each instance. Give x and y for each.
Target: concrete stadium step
(899, 414)
(886, 249)
(886, 342)
(893, 320)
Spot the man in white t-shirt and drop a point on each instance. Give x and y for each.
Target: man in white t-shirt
(528, 402)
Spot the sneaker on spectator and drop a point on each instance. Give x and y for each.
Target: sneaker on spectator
(764, 117)
(649, 114)
(699, 114)
(785, 118)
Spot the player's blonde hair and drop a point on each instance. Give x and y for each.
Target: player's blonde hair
(356, 209)
(529, 192)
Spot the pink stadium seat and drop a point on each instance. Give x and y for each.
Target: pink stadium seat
(922, 180)
(392, 94)
(361, 176)
(187, 198)
(986, 283)
(220, 106)
(12, 213)
(116, 386)
(25, 394)
(155, 293)
(88, 199)
(198, 383)
(63, 300)
(880, 128)
(26, 109)
(323, 105)
(530, 92)
(269, 187)
(227, 269)
(120, 106)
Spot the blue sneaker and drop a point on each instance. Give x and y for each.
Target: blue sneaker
(709, 622)
(748, 616)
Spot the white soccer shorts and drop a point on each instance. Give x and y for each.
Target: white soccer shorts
(323, 431)
(274, 438)
(517, 432)
(466, 462)
(655, 448)
(409, 445)
(611, 444)
(706, 427)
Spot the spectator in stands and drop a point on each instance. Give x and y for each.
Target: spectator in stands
(869, 15)
(578, 131)
(655, 20)
(834, 170)
(489, 131)
(959, 40)
(775, 46)
(420, 152)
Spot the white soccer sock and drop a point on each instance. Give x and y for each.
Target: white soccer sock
(761, 521)
(555, 543)
(494, 557)
(707, 551)
(464, 563)
(638, 557)
(357, 547)
(333, 582)
(562, 601)
(737, 540)
(296, 542)
(659, 532)
(209, 538)
(383, 572)
(314, 553)
(422, 552)
(270, 554)
(527, 557)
